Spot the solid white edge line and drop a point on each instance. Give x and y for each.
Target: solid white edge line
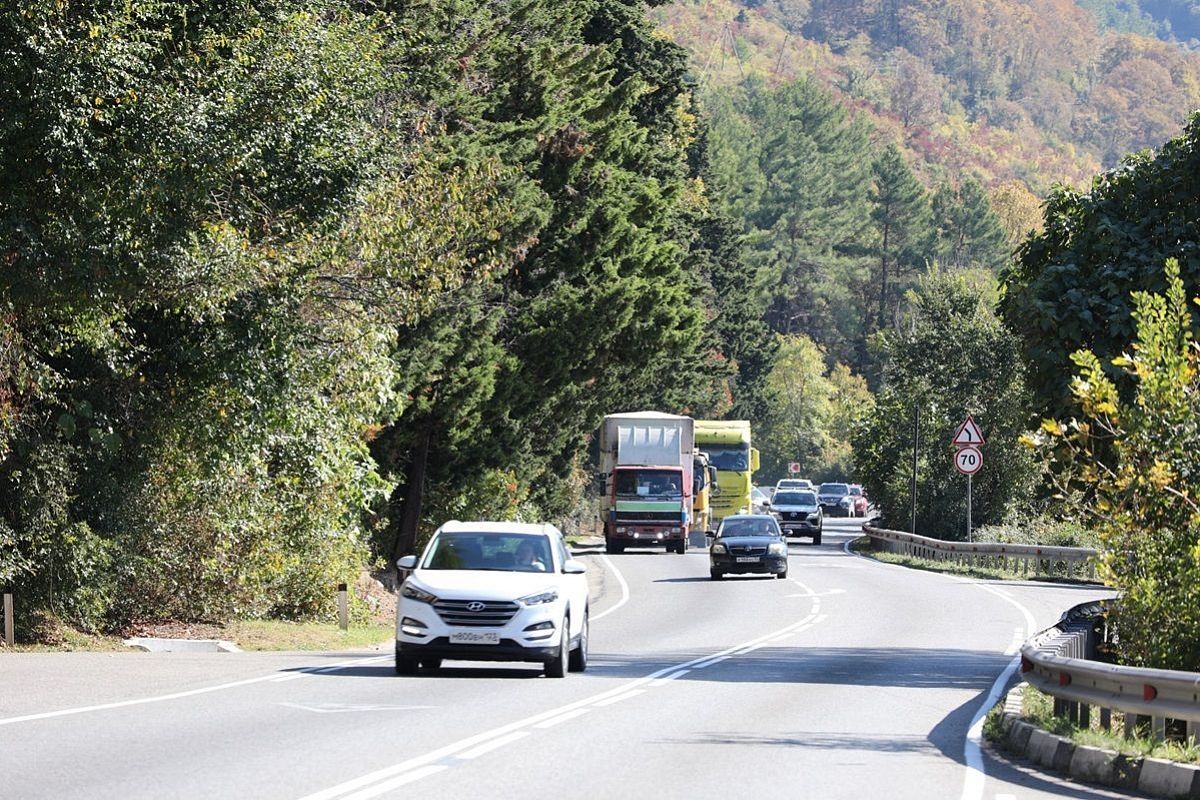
(973, 783)
(395, 783)
(608, 701)
(404, 768)
(624, 589)
(494, 744)
(570, 715)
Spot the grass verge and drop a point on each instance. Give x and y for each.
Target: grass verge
(1037, 709)
(862, 546)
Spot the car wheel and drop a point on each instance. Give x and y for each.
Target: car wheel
(781, 575)
(577, 662)
(557, 666)
(681, 548)
(431, 664)
(716, 574)
(614, 549)
(817, 538)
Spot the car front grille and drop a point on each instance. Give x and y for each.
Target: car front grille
(747, 551)
(492, 615)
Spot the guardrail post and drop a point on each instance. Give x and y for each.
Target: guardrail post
(1106, 718)
(1158, 728)
(1131, 725)
(1193, 732)
(9, 634)
(1085, 715)
(343, 610)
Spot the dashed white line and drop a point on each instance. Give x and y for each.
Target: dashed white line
(608, 701)
(570, 715)
(671, 677)
(401, 780)
(494, 744)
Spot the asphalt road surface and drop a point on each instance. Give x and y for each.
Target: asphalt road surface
(851, 679)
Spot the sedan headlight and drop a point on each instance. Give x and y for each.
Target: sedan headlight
(777, 549)
(541, 598)
(414, 592)
(846, 501)
(719, 548)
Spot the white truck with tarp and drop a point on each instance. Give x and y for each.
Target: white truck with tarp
(646, 463)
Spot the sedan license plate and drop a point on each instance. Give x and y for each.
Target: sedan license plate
(475, 637)
(747, 559)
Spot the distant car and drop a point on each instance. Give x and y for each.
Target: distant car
(835, 499)
(493, 591)
(760, 502)
(799, 513)
(860, 500)
(748, 543)
(794, 483)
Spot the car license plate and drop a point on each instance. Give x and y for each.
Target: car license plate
(475, 637)
(747, 559)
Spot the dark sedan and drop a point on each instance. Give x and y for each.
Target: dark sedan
(748, 543)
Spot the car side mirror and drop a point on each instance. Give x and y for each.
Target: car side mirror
(406, 562)
(573, 567)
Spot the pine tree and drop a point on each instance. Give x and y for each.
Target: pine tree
(967, 230)
(900, 211)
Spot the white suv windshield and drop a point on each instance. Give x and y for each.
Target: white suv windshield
(795, 499)
(503, 552)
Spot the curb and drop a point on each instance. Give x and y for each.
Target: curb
(1151, 776)
(155, 645)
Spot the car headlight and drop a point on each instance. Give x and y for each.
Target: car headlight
(777, 549)
(541, 598)
(846, 501)
(719, 548)
(414, 592)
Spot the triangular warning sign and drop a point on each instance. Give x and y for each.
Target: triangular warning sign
(968, 433)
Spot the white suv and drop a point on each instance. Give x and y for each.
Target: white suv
(493, 591)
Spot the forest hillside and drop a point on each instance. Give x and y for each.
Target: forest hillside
(1037, 90)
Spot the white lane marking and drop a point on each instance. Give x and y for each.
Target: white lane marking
(608, 701)
(385, 777)
(1006, 797)
(671, 677)
(66, 712)
(710, 662)
(494, 744)
(415, 775)
(570, 715)
(972, 751)
(624, 589)
(1018, 640)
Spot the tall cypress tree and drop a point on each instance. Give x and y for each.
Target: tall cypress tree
(901, 213)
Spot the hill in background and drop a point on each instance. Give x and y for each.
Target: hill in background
(1040, 91)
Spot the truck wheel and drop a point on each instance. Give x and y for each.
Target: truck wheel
(613, 548)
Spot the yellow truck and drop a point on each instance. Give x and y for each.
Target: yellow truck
(727, 443)
(704, 488)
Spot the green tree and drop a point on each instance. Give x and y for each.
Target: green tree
(967, 231)
(900, 211)
(950, 358)
(1070, 285)
(1137, 461)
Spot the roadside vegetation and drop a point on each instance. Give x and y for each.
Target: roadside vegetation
(1037, 708)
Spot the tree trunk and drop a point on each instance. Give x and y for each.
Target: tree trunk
(414, 493)
(883, 278)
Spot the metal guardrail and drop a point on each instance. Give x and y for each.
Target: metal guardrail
(1042, 560)
(1059, 661)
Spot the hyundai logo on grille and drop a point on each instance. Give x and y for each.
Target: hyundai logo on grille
(476, 606)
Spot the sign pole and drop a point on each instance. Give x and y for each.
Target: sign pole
(968, 507)
(916, 437)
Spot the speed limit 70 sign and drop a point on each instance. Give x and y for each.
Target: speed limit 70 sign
(968, 460)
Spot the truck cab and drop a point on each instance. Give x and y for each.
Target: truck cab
(727, 443)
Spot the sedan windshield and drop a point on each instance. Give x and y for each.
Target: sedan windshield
(762, 526)
(505, 552)
(795, 499)
(839, 489)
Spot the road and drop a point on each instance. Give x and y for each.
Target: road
(851, 679)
